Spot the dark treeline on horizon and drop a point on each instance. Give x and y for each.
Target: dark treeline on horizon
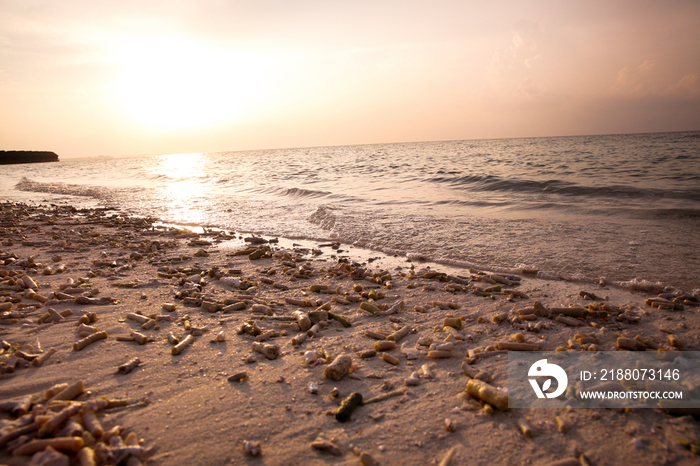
(27, 156)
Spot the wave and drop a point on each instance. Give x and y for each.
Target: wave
(323, 217)
(25, 184)
(301, 192)
(495, 183)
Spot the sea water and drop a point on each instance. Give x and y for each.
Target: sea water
(621, 207)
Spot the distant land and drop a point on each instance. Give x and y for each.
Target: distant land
(26, 156)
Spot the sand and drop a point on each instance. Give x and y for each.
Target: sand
(184, 409)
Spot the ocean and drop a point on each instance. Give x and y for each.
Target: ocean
(623, 208)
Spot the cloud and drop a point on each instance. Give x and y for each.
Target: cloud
(526, 36)
(530, 62)
(515, 72)
(650, 79)
(638, 80)
(688, 86)
(529, 90)
(523, 51)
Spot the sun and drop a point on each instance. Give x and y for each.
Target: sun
(174, 83)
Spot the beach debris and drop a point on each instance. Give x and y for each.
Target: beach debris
(385, 345)
(257, 254)
(347, 406)
(141, 319)
(238, 377)
(299, 339)
(515, 293)
(488, 393)
(630, 344)
(340, 319)
(439, 329)
(454, 322)
(393, 360)
(237, 306)
(129, 366)
(525, 428)
(266, 349)
(91, 423)
(220, 337)
(65, 444)
(375, 335)
(413, 380)
(448, 457)
(508, 281)
(590, 296)
(42, 358)
(302, 319)
(396, 307)
(674, 341)
(252, 448)
(314, 330)
(180, 347)
(570, 321)
(399, 334)
(561, 424)
(88, 318)
(365, 458)
(565, 462)
(139, 338)
(439, 354)
(371, 308)
(79, 345)
(169, 307)
(84, 300)
(569, 311)
(427, 371)
(338, 368)
(506, 345)
(367, 354)
(327, 446)
(663, 303)
(310, 358)
(473, 373)
(70, 430)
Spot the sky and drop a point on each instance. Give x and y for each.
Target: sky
(84, 78)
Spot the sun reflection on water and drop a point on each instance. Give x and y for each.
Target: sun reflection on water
(182, 200)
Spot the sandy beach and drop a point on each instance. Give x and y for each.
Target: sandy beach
(251, 352)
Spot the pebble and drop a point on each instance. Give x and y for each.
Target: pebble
(252, 448)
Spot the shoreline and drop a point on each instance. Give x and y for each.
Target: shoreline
(630, 282)
(120, 266)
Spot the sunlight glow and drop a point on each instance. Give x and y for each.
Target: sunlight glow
(180, 197)
(179, 166)
(173, 83)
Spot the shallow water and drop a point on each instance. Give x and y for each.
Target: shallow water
(615, 206)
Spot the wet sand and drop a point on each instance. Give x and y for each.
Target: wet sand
(219, 400)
